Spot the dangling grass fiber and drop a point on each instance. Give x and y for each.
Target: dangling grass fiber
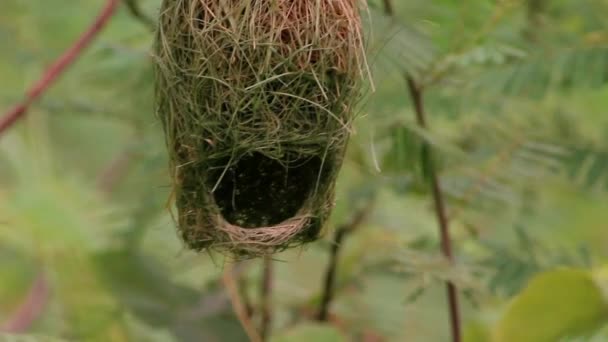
(256, 100)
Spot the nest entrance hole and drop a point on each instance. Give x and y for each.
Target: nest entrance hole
(258, 191)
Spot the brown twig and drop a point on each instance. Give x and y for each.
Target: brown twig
(243, 284)
(137, 13)
(440, 209)
(59, 66)
(388, 8)
(330, 275)
(237, 304)
(416, 95)
(267, 285)
(31, 308)
(534, 10)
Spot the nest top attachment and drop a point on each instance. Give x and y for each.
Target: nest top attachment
(256, 100)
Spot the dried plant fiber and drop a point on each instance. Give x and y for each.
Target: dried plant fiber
(257, 100)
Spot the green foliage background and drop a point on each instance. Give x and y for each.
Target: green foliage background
(516, 93)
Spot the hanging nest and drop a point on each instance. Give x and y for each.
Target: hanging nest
(256, 100)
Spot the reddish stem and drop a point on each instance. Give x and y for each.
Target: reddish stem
(57, 68)
(31, 308)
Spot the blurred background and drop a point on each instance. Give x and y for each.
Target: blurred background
(516, 94)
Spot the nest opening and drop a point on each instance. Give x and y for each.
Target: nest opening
(258, 191)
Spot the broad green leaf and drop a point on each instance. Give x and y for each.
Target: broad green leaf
(555, 304)
(311, 332)
(477, 331)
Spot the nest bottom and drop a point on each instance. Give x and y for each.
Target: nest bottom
(255, 205)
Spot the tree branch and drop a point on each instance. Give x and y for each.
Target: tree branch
(416, 95)
(440, 210)
(52, 73)
(237, 304)
(330, 275)
(267, 285)
(388, 8)
(138, 14)
(243, 284)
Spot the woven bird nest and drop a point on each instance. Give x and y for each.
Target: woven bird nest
(256, 100)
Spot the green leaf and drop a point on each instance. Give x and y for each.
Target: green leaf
(17, 272)
(399, 46)
(555, 304)
(89, 309)
(311, 332)
(144, 289)
(27, 338)
(477, 331)
(540, 73)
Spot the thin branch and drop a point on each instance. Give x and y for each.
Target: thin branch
(139, 15)
(535, 9)
(440, 210)
(31, 308)
(237, 304)
(330, 275)
(52, 73)
(243, 284)
(388, 8)
(267, 285)
(416, 95)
